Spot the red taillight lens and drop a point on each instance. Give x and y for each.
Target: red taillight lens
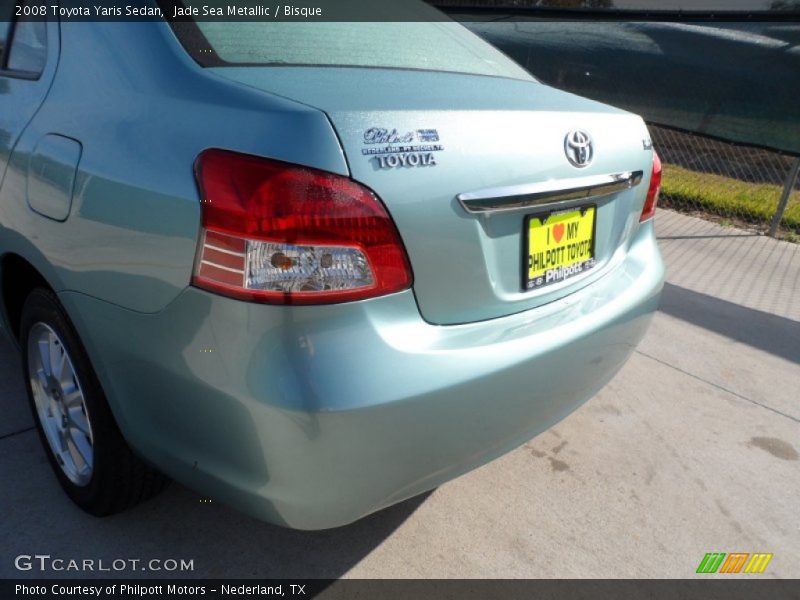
(649, 210)
(283, 234)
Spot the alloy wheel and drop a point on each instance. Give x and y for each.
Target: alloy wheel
(60, 404)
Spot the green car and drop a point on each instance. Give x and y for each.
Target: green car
(307, 269)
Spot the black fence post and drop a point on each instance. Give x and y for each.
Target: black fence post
(784, 201)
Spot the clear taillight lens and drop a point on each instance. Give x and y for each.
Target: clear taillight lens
(283, 234)
(649, 210)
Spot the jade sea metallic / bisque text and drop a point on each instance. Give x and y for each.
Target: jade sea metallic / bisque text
(233, 10)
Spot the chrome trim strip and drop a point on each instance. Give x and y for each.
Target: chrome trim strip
(547, 193)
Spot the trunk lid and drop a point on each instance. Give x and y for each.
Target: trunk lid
(421, 139)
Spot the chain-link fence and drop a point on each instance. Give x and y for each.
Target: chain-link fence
(734, 184)
(727, 80)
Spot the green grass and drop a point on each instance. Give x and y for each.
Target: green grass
(791, 236)
(727, 197)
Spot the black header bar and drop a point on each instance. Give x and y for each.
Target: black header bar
(388, 10)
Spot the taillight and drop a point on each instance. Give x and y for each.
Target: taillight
(649, 210)
(283, 234)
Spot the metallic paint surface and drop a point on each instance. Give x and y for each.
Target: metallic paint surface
(495, 132)
(312, 417)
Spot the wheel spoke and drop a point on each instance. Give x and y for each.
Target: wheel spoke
(78, 420)
(44, 356)
(81, 451)
(73, 397)
(54, 410)
(41, 379)
(63, 441)
(51, 429)
(59, 364)
(56, 356)
(74, 455)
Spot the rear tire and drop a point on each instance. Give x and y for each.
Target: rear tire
(86, 450)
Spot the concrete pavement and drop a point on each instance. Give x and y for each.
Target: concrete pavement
(692, 448)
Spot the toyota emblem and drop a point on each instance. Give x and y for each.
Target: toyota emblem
(579, 148)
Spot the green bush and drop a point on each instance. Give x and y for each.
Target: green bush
(726, 197)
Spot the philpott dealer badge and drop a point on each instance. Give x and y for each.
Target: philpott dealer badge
(393, 150)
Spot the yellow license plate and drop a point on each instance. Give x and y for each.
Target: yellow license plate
(559, 246)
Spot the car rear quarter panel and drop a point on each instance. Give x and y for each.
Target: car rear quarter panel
(142, 113)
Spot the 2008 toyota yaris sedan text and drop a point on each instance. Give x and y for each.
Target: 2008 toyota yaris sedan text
(309, 270)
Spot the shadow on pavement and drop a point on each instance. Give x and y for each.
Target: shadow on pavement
(13, 404)
(777, 335)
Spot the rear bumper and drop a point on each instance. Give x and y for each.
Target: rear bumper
(312, 417)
